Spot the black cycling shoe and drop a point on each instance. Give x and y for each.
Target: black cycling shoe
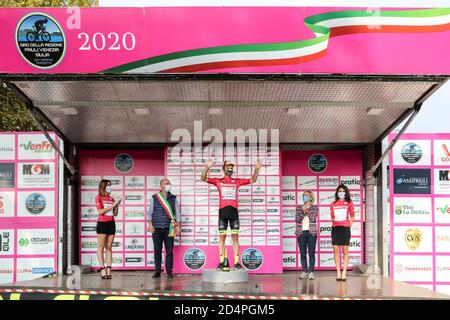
(226, 265)
(220, 266)
(238, 266)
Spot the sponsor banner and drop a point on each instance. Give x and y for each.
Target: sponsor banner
(35, 241)
(328, 182)
(135, 228)
(134, 182)
(35, 147)
(352, 182)
(135, 213)
(442, 181)
(289, 244)
(6, 270)
(6, 204)
(36, 204)
(288, 229)
(325, 213)
(7, 147)
(413, 268)
(289, 260)
(32, 268)
(288, 198)
(442, 210)
(116, 182)
(134, 198)
(36, 175)
(414, 152)
(7, 175)
(89, 229)
(88, 197)
(442, 239)
(412, 181)
(89, 244)
(288, 213)
(325, 244)
(306, 182)
(326, 198)
(288, 183)
(325, 229)
(412, 210)
(91, 182)
(7, 242)
(134, 260)
(441, 152)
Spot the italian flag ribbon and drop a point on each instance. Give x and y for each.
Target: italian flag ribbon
(324, 26)
(168, 209)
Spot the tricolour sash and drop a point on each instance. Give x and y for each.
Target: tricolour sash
(168, 209)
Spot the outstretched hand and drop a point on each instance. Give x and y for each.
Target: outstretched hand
(258, 164)
(209, 163)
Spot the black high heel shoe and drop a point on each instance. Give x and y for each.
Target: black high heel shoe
(103, 276)
(108, 274)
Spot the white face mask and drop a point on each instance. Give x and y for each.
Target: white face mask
(341, 195)
(167, 187)
(108, 189)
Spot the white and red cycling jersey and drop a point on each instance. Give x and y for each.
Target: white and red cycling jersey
(228, 188)
(341, 211)
(104, 202)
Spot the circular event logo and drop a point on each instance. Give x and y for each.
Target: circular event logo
(40, 40)
(194, 259)
(411, 152)
(252, 259)
(35, 203)
(124, 163)
(317, 163)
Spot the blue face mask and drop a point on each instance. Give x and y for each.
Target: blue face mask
(306, 198)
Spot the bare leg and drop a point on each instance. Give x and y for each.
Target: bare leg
(101, 239)
(344, 271)
(108, 245)
(222, 239)
(337, 260)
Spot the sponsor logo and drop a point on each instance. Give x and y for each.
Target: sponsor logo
(35, 203)
(36, 169)
(135, 183)
(24, 242)
(413, 238)
(7, 175)
(89, 229)
(133, 197)
(273, 230)
(445, 158)
(400, 268)
(40, 40)
(252, 258)
(411, 152)
(317, 163)
(42, 270)
(325, 229)
(91, 214)
(328, 182)
(351, 182)
(43, 147)
(89, 244)
(289, 197)
(443, 210)
(136, 213)
(5, 245)
(290, 259)
(405, 209)
(412, 181)
(90, 182)
(134, 259)
(124, 163)
(194, 259)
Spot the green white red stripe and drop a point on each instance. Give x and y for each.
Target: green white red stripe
(324, 26)
(168, 209)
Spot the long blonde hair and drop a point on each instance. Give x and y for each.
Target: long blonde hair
(311, 196)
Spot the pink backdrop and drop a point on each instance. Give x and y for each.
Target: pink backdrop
(341, 166)
(167, 30)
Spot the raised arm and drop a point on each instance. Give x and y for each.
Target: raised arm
(206, 170)
(256, 172)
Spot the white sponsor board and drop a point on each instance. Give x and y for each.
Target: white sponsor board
(288, 183)
(7, 147)
(352, 182)
(7, 242)
(413, 239)
(35, 147)
(306, 182)
(36, 204)
(6, 204)
(32, 268)
(6, 270)
(135, 182)
(90, 182)
(36, 175)
(412, 152)
(413, 268)
(35, 241)
(442, 239)
(442, 210)
(289, 260)
(441, 152)
(135, 228)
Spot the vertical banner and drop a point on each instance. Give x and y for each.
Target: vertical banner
(321, 173)
(28, 206)
(259, 208)
(420, 210)
(135, 177)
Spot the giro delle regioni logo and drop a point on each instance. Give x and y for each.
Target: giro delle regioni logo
(40, 40)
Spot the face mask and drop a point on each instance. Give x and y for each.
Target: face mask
(341, 195)
(108, 189)
(229, 172)
(167, 187)
(306, 198)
